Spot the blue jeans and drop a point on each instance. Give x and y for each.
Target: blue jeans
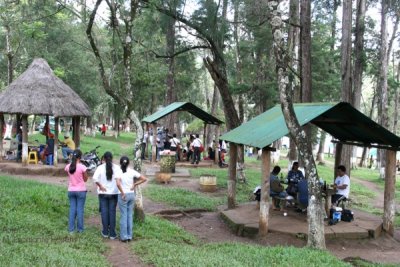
(76, 208)
(126, 220)
(65, 151)
(108, 206)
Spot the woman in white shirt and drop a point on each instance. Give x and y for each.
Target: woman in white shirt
(105, 179)
(126, 199)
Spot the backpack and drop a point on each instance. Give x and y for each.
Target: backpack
(347, 215)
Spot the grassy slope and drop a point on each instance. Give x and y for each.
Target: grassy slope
(123, 145)
(33, 227)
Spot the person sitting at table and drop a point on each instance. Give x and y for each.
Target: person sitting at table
(276, 189)
(49, 148)
(293, 178)
(68, 146)
(342, 185)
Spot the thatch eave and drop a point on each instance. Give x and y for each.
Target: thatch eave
(38, 91)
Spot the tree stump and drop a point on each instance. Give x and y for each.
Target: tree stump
(167, 163)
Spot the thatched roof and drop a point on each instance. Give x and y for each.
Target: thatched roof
(38, 91)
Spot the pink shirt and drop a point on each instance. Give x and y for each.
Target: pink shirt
(76, 182)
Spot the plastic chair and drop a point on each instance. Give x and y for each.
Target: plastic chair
(49, 159)
(32, 157)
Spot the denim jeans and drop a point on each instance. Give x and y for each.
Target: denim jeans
(126, 220)
(108, 206)
(196, 155)
(76, 208)
(65, 151)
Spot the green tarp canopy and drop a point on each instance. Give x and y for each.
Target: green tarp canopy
(182, 106)
(341, 120)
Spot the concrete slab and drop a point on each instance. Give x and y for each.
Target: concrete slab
(243, 220)
(32, 169)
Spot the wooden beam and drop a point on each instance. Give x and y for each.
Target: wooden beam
(264, 201)
(24, 139)
(232, 176)
(366, 145)
(389, 206)
(56, 131)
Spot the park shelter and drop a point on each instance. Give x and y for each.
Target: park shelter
(38, 91)
(186, 107)
(346, 124)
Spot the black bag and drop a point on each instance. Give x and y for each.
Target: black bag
(347, 215)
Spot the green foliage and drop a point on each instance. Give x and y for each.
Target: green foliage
(33, 227)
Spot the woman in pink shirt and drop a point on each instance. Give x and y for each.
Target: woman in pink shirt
(76, 191)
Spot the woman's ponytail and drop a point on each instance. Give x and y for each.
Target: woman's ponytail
(77, 154)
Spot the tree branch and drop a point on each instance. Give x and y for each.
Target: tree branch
(182, 51)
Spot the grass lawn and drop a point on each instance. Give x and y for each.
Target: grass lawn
(123, 145)
(33, 227)
(162, 243)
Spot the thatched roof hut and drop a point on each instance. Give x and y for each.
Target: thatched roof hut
(38, 91)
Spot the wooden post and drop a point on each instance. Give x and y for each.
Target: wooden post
(338, 154)
(389, 206)
(216, 155)
(48, 129)
(1, 136)
(56, 130)
(204, 139)
(76, 131)
(154, 145)
(24, 139)
(232, 176)
(264, 200)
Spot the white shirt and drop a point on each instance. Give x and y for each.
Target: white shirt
(341, 180)
(196, 142)
(127, 180)
(223, 145)
(174, 142)
(99, 176)
(145, 136)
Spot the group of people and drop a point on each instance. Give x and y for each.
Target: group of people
(297, 187)
(115, 184)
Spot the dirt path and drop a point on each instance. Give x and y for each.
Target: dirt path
(379, 198)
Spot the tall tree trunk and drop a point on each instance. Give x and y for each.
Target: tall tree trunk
(305, 62)
(382, 80)
(396, 101)
(171, 91)
(359, 52)
(265, 186)
(211, 129)
(10, 55)
(364, 153)
(315, 211)
(346, 73)
(293, 42)
(320, 154)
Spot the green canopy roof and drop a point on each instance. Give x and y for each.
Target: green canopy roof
(183, 106)
(341, 120)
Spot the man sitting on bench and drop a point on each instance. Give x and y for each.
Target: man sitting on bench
(342, 185)
(277, 191)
